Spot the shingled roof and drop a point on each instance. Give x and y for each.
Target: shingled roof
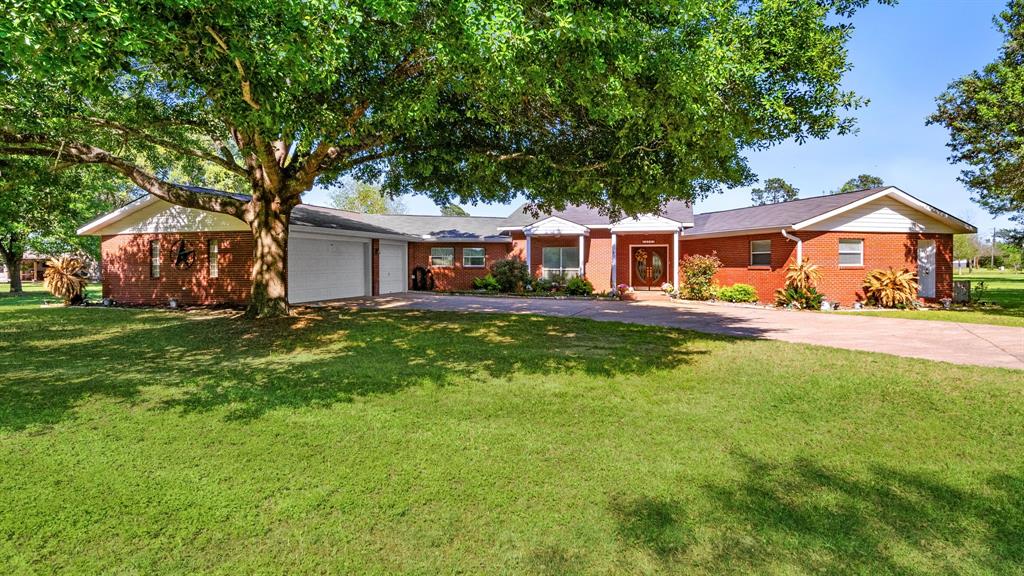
(676, 210)
(781, 215)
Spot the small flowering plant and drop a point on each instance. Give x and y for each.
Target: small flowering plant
(668, 288)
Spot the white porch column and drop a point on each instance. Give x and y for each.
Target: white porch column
(615, 257)
(529, 260)
(675, 259)
(582, 258)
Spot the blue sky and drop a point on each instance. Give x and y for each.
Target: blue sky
(903, 56)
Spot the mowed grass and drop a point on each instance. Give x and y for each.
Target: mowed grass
(1004, 298)
(340, 441)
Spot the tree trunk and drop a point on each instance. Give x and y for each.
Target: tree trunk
(12, 259)
(268, 221)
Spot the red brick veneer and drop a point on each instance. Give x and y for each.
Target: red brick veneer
(456, 277)
(839, 284)
(126, 271)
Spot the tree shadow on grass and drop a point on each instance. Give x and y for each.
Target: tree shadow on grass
(219, 362)
(804, 517)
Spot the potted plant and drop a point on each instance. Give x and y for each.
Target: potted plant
(625, 292)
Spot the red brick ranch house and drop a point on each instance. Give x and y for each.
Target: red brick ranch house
(153, 251)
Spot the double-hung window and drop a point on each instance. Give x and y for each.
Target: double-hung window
(154, 258)
(761, 253)
(214, 255)
(851, 252)
(561, 261)
(442, 257)
(473, 257)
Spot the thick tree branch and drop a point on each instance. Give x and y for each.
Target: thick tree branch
(41, 146)
(227, 163)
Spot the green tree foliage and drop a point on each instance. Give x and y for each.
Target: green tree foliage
(862, 182)
(775, 190)
(453, 210)
(365, 198)
(965, 247)
(42, 205)
(622, 106)
(984, 113)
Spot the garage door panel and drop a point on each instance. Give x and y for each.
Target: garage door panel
(393, 270)
(325, 269)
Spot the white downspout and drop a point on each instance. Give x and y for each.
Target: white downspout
(799, 245)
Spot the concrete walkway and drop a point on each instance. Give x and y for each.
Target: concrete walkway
(971, 344)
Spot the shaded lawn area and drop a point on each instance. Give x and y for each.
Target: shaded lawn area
(1004, 293)
(154, 442)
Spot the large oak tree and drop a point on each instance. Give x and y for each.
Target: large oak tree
(619, 105)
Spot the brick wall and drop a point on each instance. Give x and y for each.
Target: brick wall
(881, 251)
(842, 284)
(126, 269)
(456, 277)
(734, 252)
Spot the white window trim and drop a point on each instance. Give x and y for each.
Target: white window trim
(450, 257)
(482, 256)
(753, 252)
(561, 271)
(860, 252)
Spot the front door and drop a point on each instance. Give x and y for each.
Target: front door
(649, 267)
(926, 268)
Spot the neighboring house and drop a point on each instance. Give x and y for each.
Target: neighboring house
(153, 251)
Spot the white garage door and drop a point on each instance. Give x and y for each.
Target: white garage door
(392, 268)
(325, 269)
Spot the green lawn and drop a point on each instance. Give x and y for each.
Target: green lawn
(1004, 296)
(150, 442)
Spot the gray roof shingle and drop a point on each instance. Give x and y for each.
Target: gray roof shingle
(677, 210)
(321, 217)
(779, 215)
(484, 228)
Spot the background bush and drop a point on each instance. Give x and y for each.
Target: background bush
(698, 276)
(511, 274)
(486, 283)
(579, 286)
(738, 293)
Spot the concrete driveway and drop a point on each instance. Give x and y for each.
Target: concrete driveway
(971, 344)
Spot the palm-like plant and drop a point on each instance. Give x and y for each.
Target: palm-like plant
(891, 288)
(803, 275)
(65, 279)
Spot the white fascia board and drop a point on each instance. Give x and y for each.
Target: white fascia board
(555, 226)
(510, 228)
(928, 209)
(102, 222)
(900, 196)
(647, 223)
